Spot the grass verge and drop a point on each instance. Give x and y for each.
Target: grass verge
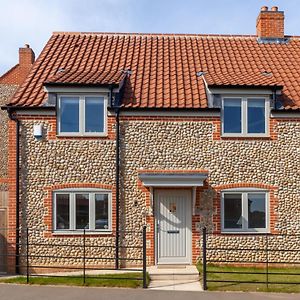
(125, 280)
(261, 276)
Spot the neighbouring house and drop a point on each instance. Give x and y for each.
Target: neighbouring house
(173, 131)
(9, 82)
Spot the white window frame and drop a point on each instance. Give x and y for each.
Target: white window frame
(244, 116)
(81, 131)
(245, 228)
(72, 210)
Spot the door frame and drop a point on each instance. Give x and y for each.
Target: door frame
(189, 242)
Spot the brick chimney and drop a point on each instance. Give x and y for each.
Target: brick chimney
(270, 23)
(26, 56)
(18, 73)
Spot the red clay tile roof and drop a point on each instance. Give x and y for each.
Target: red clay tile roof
(246, 79)
(65, 77)
(164, 67)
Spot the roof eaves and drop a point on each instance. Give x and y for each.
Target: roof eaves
(16, 107)
(246, 86)
(286, 110)
(76, 84)
(137, 108)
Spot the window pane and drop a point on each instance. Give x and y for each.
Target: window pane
(82, 211)
(256, 211)
(69, 114)
(62, 211)
(101, 207)
(256, 115)
(94, 114)
(232, 211)
(232, 115)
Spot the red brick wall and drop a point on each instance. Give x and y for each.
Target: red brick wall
(11, 237)
(18, 73)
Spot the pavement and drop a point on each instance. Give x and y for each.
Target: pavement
(31, 292)
(176, 285)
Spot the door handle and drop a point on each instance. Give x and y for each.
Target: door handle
(173, 231)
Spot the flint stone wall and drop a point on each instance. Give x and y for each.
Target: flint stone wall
(160, 145)
(6, 91)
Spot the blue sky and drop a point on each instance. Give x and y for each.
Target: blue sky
(33, 21)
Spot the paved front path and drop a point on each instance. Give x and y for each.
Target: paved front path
(23, 292)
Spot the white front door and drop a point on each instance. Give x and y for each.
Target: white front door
(173, 226)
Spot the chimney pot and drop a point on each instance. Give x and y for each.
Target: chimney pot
(274, 8)
(264, 8)
(27, 46)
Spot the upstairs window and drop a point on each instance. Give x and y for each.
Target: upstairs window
(82, 115)
(245, 116)
(244, 211)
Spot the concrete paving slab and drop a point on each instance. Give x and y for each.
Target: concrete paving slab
(187, 273)
(176, 285)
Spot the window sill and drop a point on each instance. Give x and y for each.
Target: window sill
(246, 137)
(82, 135)
(263, 135)
(245, 232)
(80, 233)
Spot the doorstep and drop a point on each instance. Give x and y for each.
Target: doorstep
(176, 278)
(174, 273)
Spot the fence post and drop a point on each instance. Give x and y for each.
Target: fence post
(144, 257)
(117, 250)
(204, 278)
(267, 261)
(27, 255)
(84, 256)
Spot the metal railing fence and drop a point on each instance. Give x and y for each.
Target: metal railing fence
(275, 251)
(84, 252)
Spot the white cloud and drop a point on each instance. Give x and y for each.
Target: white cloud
(33, 21)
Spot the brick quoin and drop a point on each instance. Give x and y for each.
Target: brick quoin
(11, 234)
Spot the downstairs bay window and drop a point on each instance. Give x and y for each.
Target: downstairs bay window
(244, 211)
(82, 209)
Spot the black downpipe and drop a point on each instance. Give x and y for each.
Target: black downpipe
(117, 112)
(274, 98)
(17, 196)
(17, 190)
(117, 185)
